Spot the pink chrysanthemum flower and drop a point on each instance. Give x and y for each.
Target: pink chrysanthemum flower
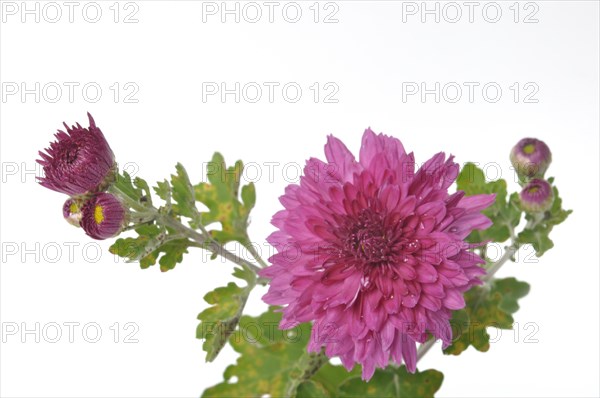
(79, 161)
(374, 253)
(103, 216)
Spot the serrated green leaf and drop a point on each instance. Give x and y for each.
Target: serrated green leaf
(244, 273)
(330, 377)
(163, 190)
(173, 252)
(275, 363)
(135, 249)
(249, 195)
(393, 383)
(471, 180)
(557, 214)
(220, 196)
(183, 194)
(511, 290)
(486, 307)
(538, 238)
(504, 215)
(142, 185)
(220, 320)
(312, 389)
(132, 191)
(148, 246)
(268, 358)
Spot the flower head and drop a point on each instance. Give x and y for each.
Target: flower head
(536, 196)
(72, 212)
(373, 252)
(103, 216)
(530, 158)
(79, 161)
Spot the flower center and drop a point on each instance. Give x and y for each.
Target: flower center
(71, 155)
(73, 208)
(366, 238)
(98, 214)
(529, 149)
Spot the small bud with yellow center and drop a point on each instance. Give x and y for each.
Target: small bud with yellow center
(103, 216)
(537, 196)
(530, 158)
(72, 212)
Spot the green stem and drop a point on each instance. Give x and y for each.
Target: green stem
(255, 254)
(208, 243)
(128, 200)
(424, 348)
(307, 366)
(508, 253)
(202, 239)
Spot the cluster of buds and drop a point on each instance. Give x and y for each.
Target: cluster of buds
(530, 159)
(81, 164)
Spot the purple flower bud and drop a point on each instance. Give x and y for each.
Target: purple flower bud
(72, 212)
(530, 158)
(536, 196)
(79, 161)
(103, 216)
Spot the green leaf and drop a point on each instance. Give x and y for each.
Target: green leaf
(244, 273)
(173, 253)
(268, 358)
(539, 235)
(163, 190)
(142, 185)
(148, 246)
(394, 383)
(511, 290)
(276, 363)
(183, 194)
(486, 306)
(135, 249)
(134, 192)
(220, 195)
(539, 238)
(330, 377)
(312, 389)
(336, 381)
(249, 195)
(557, 214)
(504, 215)
(220, 320)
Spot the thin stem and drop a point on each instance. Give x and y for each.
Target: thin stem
(210, 244)
(424, 348)
(202, 239)
(307, 365)
(256, 255)
(510, 251)
(114, 189)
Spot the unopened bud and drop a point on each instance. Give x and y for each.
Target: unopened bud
(530, 158)
(536, 196)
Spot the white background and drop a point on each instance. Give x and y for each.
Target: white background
(368, 54)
